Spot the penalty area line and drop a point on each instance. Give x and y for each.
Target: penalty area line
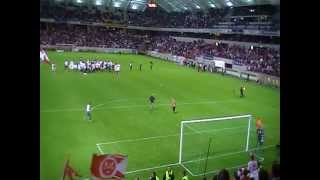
(99, 148)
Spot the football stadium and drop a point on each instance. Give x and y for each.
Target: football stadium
(160, 89)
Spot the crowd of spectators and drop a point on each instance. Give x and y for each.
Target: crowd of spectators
(257, 59)
(156, 17)
(90, 36)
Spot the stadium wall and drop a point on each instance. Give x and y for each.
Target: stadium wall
(236, 71)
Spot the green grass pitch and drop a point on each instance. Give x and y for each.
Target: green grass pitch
(124, 123)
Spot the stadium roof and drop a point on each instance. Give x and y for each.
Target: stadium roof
(173, 5)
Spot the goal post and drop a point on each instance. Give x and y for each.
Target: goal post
(231, 138)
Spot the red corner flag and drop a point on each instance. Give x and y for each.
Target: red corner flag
(69, 172)
(108, 166)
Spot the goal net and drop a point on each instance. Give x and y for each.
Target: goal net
(209, 145)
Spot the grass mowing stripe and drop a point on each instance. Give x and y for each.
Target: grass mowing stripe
(133, 106)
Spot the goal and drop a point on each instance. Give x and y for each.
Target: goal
(208, 145)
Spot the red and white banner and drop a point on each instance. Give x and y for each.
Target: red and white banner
(108, 166)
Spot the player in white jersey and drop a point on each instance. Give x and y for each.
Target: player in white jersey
(65, 64)
(53, 67)
(117, 68)
(88, 111)
(71, 65)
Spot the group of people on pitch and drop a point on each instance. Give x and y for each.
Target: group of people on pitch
(92, 66)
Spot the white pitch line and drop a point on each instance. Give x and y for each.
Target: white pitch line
(156, 167)
(165, 136)
(99, 148)
(187, 170)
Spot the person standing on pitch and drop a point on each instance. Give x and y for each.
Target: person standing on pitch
(88, 111)
(151, 64)
(260, 134)
(152, 99)
(242, 89)
(173, 105)
(130, 65)
(140, 66)
(53, 67)
(117, 69)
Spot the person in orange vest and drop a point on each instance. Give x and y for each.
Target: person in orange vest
(260, 131)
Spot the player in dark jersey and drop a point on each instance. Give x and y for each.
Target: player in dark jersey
(242, 89)
(260, 135)
(152, 99)
(151, 64)
(140, 67)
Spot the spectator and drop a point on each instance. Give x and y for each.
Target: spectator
(154, 176)
(222, 175)
(253, 168)
(275, 171)
(169, 175)
(263, 174)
